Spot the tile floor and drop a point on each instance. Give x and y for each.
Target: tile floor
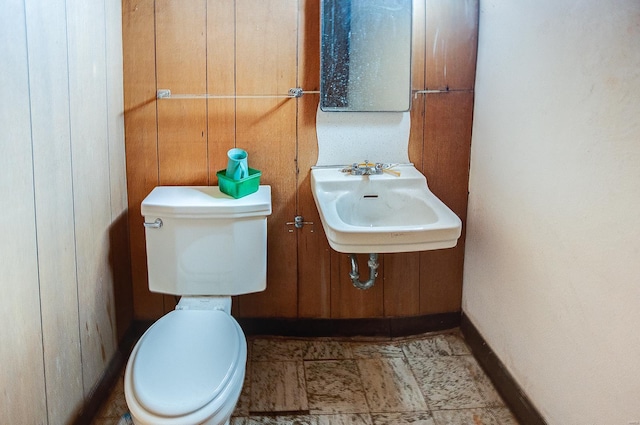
(430, 379)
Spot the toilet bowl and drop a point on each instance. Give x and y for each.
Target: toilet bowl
(188, 368)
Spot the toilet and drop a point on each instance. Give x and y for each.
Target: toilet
(188, 368)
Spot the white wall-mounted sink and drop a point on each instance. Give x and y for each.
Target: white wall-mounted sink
(383, 212)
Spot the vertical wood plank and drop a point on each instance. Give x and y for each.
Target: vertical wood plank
(119, 257)
(402, 284)
(115, 107)
(181, 66)
(90, 156)
(309, 46)
(266, 38)
(140, 140)
(182, 142)
(47, 38)
(416, 136)
(447, 149)
(416, 133)
(314, 263)
(452, 40)
(221, 114)
(418, 45)
(266, 128)
(418, 57)
(221, 121)
(181, 45)
(221, 26)
(181, 57)
(349, 302)
(441, 279)
(314, 255)
(22, 394)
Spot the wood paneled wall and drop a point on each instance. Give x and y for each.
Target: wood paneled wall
(64, 251)
(264, 47)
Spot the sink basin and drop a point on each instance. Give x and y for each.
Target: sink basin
(383, 212)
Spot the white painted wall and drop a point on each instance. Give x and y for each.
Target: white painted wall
(552, 265)
(63, 193)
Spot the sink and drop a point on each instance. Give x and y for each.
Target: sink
(382, 212)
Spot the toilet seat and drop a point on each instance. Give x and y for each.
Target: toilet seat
(186, 360)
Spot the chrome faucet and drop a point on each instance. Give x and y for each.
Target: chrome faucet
(366, 169)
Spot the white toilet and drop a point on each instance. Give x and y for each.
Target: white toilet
(188, 368)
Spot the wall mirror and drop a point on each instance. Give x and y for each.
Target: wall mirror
(365, 55)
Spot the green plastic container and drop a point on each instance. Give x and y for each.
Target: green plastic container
(239, 188)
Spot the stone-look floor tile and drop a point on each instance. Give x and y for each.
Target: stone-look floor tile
(483, 383)
(503, 415)
(375, 350)
(433, 346)
(277, 349)
(274, 349)
(450, 382)
(277, 387)
(351, 419)
(446, 374)
(244, 401)
(328, 350)
(390, 385)
(334, 386)
(413, 418)
(464, 417)
(276, 420)
(457, 344)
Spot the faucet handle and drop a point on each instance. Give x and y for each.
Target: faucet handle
(354, 170)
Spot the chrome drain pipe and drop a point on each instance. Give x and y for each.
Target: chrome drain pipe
(373, 271)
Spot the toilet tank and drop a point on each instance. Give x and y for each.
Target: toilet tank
(203, 242)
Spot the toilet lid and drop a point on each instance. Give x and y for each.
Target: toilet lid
(185, 360)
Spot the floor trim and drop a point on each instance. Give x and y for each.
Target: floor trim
(111, 375)
(380, 327)
(509, 390)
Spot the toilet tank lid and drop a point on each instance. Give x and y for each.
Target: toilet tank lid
(205, 202)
